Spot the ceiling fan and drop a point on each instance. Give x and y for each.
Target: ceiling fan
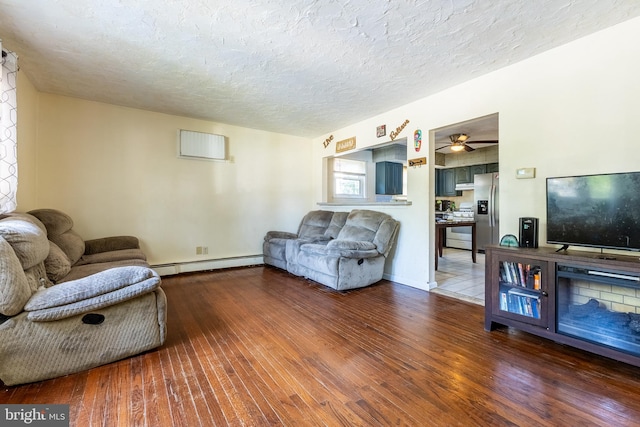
(459, 142)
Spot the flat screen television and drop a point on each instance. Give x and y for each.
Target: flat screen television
(601, 211)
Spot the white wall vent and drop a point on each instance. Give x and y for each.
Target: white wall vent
(200, 145)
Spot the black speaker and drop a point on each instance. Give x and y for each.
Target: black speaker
(528, 232)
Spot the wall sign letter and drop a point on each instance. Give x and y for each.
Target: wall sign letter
(327, 141)
(394, 133)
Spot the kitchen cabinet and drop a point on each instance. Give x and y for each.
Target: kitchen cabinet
(446, 179)
(463, 175)
(389, 178)
(446, 183)
(477, 170)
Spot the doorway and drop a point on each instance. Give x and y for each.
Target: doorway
(461, 151)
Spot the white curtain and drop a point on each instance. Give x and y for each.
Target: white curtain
(8, 132)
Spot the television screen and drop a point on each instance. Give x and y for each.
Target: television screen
(601, 211)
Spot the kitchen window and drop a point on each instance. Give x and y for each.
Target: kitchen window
(349, 179)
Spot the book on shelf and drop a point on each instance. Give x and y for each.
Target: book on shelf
(520, 274)
(504, 301)
(520, 302)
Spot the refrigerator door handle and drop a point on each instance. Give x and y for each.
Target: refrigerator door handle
(492, 209)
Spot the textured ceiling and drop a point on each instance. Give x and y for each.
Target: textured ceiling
(300, 67)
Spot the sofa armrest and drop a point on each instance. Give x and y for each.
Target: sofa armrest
(279, 235)
(99, 290)
(107, 244)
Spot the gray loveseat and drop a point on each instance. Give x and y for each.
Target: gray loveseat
(68, 305)
(312, 228)
(350, 253)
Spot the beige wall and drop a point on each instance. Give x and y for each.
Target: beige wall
(115, 170)
(572, 110)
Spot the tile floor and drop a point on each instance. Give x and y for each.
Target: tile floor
(459, 277)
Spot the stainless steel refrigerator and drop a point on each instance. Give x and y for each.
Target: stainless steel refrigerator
(486, 209)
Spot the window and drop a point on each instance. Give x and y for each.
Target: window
(349, 178)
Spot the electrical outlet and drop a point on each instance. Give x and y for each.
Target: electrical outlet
(205, 250)
(198, 250)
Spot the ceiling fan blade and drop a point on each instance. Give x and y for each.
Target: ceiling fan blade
(444, 146)
(482, 142)
(468, 148)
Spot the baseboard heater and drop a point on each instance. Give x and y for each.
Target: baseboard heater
(206, 265)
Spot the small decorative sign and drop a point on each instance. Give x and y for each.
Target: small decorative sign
(417, 139)
(327, 141)
(381, 131)
(346, 144)
(418, 162)
(394, 133)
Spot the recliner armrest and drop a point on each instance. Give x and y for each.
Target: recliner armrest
(113, 243)
(99, 290)
(279, 235)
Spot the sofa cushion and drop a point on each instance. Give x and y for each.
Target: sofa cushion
(337, 222)
(28, 217)
(59, 230)
(14, 288)
(57, 263)
(315, 223)
(55, 221)
(350, 244)
(352, 249)
(362, 225)
(71, 243)
(352, 231)
(28, 241)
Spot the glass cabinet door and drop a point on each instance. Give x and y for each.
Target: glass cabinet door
(521, 292)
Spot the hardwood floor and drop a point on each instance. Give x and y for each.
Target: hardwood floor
(258, 346)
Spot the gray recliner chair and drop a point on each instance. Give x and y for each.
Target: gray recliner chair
(48, 329)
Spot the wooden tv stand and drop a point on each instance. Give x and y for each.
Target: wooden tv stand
(587, 300)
